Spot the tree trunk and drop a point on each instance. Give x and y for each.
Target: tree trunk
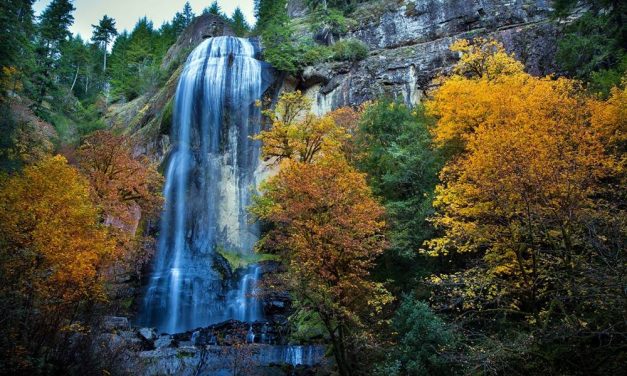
(75, 78)
(104, 64)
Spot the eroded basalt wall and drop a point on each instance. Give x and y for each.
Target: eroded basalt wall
(409, 46)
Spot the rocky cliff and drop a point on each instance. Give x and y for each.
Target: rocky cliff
(408, 43)
(409, 46)
(148, 118)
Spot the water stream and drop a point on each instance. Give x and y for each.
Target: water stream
(210, 177)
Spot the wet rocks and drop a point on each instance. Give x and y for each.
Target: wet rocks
(164, 340)
(115, 322)
(148, 334)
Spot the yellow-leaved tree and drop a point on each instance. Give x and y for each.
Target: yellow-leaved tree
(524, 186)
(53, 250)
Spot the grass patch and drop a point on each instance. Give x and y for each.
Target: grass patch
(237, 260)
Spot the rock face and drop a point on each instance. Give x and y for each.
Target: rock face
(409, 46)
(148, 118)
(201, 28)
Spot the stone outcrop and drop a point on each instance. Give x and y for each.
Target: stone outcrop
(148, 118)
(409, 46)
(201, 28)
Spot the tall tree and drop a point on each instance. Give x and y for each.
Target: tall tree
(525, 202)
(214, 9)
(239, 24)
(103, 34)
(270, 12)
(188, 14)
(126, 189)
(327, 227)
(592, 47)
(135, 59)
(16, 20)
(53, 29)
(53, 251)
(402, 166)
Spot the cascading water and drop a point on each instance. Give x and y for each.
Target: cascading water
(209, 180)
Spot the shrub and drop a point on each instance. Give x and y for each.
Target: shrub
(424, 340)
(331, 21)
(349, 50)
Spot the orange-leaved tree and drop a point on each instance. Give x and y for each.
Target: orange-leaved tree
(328, 229)
(127, 189)
(53, 251)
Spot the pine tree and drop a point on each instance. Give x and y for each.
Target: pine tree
(16, 18)
(215, 9)
(239, 24)
(135, 58)
(104, 33)
(188, 14)
(53, 30)
(270, 12)
(55, 22)
(75, 59)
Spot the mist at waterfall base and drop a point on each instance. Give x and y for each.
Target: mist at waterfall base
(209, 181)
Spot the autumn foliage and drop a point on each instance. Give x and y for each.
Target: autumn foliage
(67, 234)
(326, 226)
(126, 189)
(526, 191)
(53, 250)
(296, 133)
(121, 182)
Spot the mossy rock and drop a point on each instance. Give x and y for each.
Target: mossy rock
(240, 261)
(166, 119)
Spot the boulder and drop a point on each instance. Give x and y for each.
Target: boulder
(163, 341)
(149, 334)
(110, 323)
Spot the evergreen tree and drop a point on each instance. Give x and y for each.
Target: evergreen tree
(16, 26)
(75, 58)
(104, 33)
(188, 14)
(214, 8)
(270, 12)
(593, 47)
(239, 24)
(54, 24)
(53, 30)
(170, 31)
(135, 59)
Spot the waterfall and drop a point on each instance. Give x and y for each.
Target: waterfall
(209, 181)
(243, 302)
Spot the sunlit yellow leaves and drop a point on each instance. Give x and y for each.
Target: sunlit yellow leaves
(53, 246)
(10, 79)
(484, 58)
(609, 119)
(530, 156)
(298, 134)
